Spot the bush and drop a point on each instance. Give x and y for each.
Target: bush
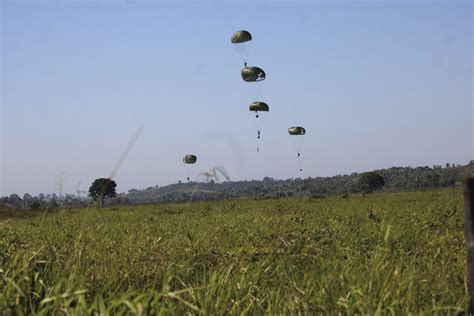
(370, 181)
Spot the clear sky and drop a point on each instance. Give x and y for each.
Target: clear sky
(376, 84)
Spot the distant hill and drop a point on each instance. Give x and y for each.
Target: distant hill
(396, 179)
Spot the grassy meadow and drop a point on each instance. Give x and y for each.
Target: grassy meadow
(385, 253)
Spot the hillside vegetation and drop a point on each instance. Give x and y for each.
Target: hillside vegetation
(394, 253)
(396, 179)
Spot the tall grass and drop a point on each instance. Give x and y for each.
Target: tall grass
(396, 253)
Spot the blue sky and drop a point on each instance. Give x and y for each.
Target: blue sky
(375, 83)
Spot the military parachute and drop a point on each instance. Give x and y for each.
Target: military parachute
(253, 74)
(189, 161)
(241, 37)
(240, 40)
(296, 132)
(258, 107)
(254, 78)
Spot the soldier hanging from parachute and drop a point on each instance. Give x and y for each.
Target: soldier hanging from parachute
(298, 141)
(189, 160)
(259, 108)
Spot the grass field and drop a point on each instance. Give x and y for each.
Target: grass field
(387, 253)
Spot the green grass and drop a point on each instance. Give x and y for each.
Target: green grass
(387, 253)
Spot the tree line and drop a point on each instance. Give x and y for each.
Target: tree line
(395, 179)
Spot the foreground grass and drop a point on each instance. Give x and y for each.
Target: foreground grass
(388, 253)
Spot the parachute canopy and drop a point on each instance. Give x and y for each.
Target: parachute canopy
(252, 74)
(259, 107)
(189, 159)
(296, 130)
(241, 37)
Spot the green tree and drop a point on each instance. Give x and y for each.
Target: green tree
(370, 181)
(102, 188)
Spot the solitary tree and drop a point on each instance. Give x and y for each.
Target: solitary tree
(102, 188)
(370, 181)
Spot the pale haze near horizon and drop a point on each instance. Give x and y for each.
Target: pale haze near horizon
(375, 84)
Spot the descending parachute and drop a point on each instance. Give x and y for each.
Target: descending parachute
(241, 37)
(296, 130)
(297, 141)
(253, 78)
(189, 160)
(258, 107)
(253, 74)
(240, 41)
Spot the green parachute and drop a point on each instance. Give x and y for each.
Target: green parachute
(241, 37)
(296, 130)
(253, 74)
(189, 161)
(259, 106)
(241, 42)
(297, 141)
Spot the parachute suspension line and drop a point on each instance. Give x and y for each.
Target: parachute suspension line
(255, 89)
(258, 90)
(188, 172)
(243, 49)
(300, 162)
